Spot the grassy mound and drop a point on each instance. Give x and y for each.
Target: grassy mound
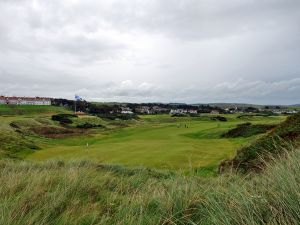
(44, 127)
(13, 143)
(86, 122)
(248, 130)
(251, 157)
(86, 193)
(30, 109)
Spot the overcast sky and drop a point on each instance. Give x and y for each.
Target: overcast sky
(193, 51)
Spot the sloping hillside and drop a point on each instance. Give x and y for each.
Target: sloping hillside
(251, 157)
(15, 123)
(9, 110)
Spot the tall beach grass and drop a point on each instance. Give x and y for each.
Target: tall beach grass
(84, 193)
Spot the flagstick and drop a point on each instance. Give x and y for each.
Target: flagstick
(75, 106)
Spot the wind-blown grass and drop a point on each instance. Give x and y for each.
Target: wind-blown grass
(87, 193)
(250, 157)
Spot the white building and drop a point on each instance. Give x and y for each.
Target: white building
(192, 111)
(178, 111)
(25, 100)
(183, 111)
(126, 110)
(2, 100)
(143, 109)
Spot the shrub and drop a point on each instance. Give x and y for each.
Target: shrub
(118, 116)
(63, 118)
(247, 130)
(219, 118)
(88, 125)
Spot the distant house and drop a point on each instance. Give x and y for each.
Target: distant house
(25, 100)
(291, 112)
(2, 100)
(192, 111)
(178, 111)
(143, 110)
(126, 110)
(158, 109)
(183, 111)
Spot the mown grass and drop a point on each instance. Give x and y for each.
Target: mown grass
(152, 145)
(156, 141)
(83, 192)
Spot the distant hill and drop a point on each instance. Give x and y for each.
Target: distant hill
(239, 105)
(295, 105)
(244, 105)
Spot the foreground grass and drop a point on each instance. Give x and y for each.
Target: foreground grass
(88, 193)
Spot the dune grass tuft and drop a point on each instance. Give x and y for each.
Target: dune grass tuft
(83, 192)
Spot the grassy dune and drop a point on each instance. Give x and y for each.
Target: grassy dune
(87, 193)
(252, 156)
(29, 110)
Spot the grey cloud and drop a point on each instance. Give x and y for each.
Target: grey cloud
(280, 92)
(202, 18)
(152, 50)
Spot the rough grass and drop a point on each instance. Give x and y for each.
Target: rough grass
(88, 193)
(30, 109)
(284, 137)
(42, 127)
(12, 143)
(247, 130)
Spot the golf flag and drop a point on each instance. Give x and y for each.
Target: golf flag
(78, 98)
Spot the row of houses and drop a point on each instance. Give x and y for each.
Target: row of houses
(284, 111)
(156, 110)
(24, 100)
(151, 110)
(183, 111)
